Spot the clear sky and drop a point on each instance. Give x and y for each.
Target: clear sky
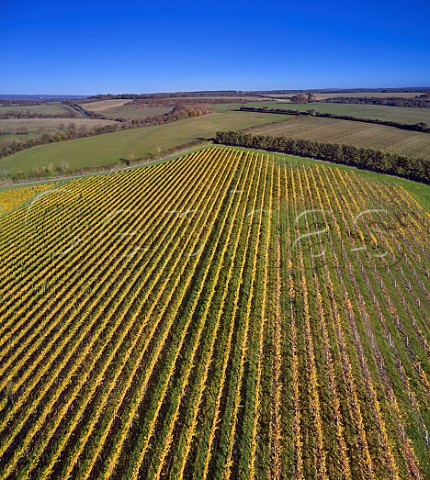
(89, 47)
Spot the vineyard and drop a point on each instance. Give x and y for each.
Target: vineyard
(10, 199)
(225, 315)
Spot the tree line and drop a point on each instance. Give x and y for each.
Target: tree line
(332, 91)
(179, 112)
(205, 93)
(420, 101)
(27, 114)
(170, 102)
(415, 127)
(9, 102)
(360, 157)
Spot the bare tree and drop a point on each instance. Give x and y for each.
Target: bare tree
(83, 130)
(22, 130)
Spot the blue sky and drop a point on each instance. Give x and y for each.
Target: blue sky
(89, 47)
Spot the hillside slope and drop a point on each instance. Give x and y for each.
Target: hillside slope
(224, 315)
(108, 149)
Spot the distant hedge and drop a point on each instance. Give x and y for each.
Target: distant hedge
(419, 101)
(365, 158)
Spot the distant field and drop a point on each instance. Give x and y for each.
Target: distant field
(225, 107)
(214, 97)
(381, 112)
(377, 112)
(8, 127)
(131, 111)
(102, 105)
(52, 109)
(128, 109)
(413, 144)
(124, 109)
(321, 96)
(110, 148)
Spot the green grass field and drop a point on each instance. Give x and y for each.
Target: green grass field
(414, 144)
(379, 112)
(226, 107)
(108, 149)
(130, 111)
